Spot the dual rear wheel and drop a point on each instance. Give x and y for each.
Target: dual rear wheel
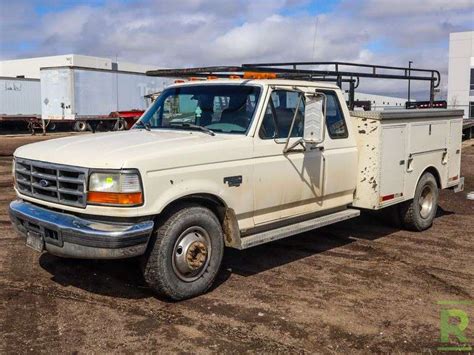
(416, 214)
(419, 213)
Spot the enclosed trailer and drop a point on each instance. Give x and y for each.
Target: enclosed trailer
(20, 97)
(77, 93)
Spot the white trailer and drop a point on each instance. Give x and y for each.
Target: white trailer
(69, 93)
(76, 90)
(20, 97)
(20, 103)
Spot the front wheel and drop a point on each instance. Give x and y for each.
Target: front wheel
(185, 253)
(419, 213)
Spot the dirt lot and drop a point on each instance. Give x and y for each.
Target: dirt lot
(356, 286)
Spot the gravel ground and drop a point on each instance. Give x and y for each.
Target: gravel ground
(356, 286)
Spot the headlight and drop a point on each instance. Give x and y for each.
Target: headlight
(121, 188)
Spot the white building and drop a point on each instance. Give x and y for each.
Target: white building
(461, 72)
(30, 67)
(380, 102)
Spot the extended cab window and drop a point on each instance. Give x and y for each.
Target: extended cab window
(220, 108)
(279, 114)
(334, 116)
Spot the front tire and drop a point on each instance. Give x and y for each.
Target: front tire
(185, 253)
(419, 213)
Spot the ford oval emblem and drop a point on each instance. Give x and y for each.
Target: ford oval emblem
(44, 183)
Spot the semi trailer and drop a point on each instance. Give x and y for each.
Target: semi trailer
(77, 98)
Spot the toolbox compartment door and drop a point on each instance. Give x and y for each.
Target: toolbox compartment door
(454, 150)
(392, 161)
(428, 136)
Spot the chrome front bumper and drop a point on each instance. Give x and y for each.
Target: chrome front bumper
(70, 236)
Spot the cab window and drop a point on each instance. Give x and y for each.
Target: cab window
(279, 114)
(334, 117)
(220, 108)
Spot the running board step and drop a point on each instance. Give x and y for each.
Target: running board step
(300, 227)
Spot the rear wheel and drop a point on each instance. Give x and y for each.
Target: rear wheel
(185, 253)
(120, 125)
(51, 126)
(81, 126)
(419, 213)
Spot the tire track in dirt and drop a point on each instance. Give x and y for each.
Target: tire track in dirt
(154, 318)
(29, 326)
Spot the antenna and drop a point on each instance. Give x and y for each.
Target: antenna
(116, 82)
(316, 22)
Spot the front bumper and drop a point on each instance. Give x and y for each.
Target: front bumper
(70, 236)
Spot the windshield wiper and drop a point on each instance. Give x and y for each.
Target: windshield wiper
(194, 126)
(147, 125)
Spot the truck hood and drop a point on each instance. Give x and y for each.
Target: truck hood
(115, 150)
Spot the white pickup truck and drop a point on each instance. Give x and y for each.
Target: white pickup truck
(230, 162)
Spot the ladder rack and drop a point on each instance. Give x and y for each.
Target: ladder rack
(338, 72)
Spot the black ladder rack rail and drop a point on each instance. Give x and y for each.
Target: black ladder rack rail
(338, 72)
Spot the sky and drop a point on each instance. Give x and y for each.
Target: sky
(177, 33)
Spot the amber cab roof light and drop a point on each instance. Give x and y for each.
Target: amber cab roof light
(258, 75)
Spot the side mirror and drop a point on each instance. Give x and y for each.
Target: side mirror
(314, 118)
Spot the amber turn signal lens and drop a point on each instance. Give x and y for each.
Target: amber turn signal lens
(258, 75)
(115, 198)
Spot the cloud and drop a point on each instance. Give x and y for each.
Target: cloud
(171, 33)
(408, 8)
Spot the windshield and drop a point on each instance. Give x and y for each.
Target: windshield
(218, 108)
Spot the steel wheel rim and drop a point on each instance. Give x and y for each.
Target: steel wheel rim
(426, 201)
(191, 254)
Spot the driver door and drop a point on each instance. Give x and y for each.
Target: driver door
(286, 184)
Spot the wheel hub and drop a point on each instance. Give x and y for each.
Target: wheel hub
(426, 201)
(196, 255)
(191, 254)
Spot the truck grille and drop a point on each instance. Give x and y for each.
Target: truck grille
(51, 182)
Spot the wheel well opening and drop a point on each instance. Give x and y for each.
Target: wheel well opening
(215, 204)
(435, 173)
(224, 214)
